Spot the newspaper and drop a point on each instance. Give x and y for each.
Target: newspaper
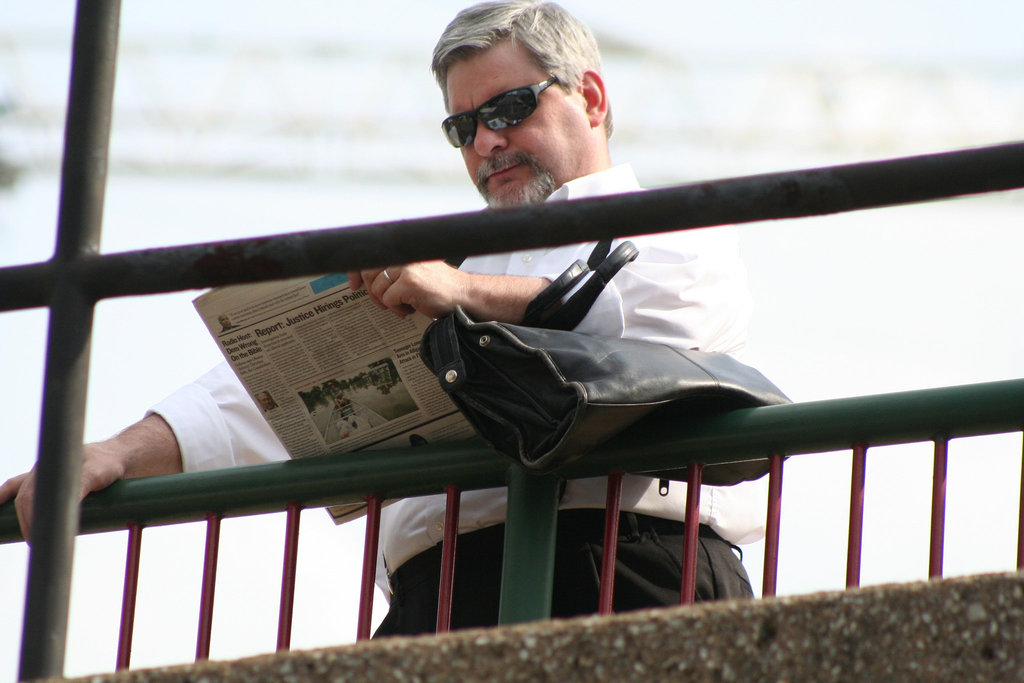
(330, 371)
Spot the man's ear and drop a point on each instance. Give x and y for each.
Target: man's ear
(595, 97)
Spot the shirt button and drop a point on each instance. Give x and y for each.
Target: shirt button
(527, 258)
(439, 526)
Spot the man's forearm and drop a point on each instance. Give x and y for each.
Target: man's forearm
(434, 289)
(145, 449)
(501, 297)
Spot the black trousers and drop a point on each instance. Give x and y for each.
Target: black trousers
(648, 572)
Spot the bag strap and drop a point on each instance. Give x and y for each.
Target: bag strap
(552, 294)
(562, 285)
(572, 312)
(551, 297)
(544, 310)
(599, 254)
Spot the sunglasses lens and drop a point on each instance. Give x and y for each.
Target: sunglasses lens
(504, 110)
(459, 129)
(508, 109)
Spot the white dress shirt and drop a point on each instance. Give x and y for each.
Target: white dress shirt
(686, 289)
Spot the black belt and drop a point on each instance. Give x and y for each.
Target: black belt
(590, 521)
(587, 523)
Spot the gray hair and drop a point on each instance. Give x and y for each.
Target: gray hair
(560, 45)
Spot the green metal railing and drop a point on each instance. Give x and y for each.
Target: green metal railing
(746, 434)
(656, 446)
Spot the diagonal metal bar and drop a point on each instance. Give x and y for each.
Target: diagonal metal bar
(790, 194)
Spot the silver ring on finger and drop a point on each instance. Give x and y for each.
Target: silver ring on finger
(387, 277)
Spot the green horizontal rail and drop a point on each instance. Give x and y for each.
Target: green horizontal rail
(816, 427)
(741, 435)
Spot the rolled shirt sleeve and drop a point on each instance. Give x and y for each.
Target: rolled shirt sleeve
(217, 424)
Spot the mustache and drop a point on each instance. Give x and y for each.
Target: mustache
(500, 162)
(538, 187)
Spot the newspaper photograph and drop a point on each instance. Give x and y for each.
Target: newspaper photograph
(330, 372)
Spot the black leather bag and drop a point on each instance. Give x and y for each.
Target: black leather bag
(544, 397)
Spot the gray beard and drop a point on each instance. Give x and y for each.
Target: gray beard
(536, 190)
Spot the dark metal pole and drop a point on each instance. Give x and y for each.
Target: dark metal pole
(790, 194)
(83, 177)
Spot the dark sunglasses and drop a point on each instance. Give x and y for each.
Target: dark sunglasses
(501, 111)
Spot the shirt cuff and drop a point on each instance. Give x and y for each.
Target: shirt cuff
(196, 421)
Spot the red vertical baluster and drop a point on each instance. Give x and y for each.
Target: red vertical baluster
(938, 527)
(1020, 516)
(451, 535)
(689, 584)
(291, 561)
(773, 519)
(369, 567)
(612, 503)
(131, 589)
(209, 583)
(853, 549)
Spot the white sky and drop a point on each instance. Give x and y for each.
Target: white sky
(870, 302)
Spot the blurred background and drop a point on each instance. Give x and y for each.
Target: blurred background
(236, 119)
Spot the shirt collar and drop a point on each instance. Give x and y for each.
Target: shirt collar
(614, 180)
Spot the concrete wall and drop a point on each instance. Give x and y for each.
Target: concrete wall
(964, 629)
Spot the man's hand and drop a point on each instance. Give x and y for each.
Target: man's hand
(431, 287)
(434, 288)
(146, 448)
(11, 490)
(100, 468)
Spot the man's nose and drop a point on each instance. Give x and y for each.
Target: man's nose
(488, 141)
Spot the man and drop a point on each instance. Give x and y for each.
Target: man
(531, 117)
